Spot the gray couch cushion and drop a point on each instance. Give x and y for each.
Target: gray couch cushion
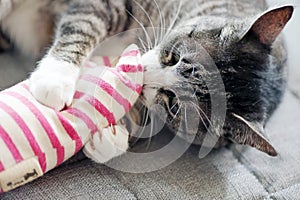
(283, 171)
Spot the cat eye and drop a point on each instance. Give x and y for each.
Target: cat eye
(170, 57)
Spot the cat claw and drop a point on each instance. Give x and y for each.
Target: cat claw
(107, 143)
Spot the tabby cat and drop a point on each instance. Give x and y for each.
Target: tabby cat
(241, 37)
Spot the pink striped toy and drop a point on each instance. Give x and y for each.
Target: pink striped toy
(35, 139)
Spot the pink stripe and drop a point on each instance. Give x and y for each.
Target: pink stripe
(88, 65)
(106, 61)
(30, 138)
(131, 53)
(130, 68)
(45, 124)
(25, 86)
(10, 145)
(136, 87)
(70, 131)
(1, 191)
(98, 105)
(1, 167)
(85, 118)
(79, 95)
(109, 90)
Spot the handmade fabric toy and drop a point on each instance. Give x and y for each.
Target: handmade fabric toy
(35, 139)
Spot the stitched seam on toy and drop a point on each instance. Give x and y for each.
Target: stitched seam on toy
(20, 174)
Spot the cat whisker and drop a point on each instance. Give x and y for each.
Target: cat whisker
(275, 77)
(145, 116)
(162, 22)
(176, 114)
(149, 43)
(185, 117)
(152, 87)
(197, 108)
(142, 44)
(177, 103)
(153, 84)
(206, 117)
(195, 93)
(150, 20)
(172, 24)
(151, 132)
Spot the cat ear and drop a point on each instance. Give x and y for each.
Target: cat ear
(244, 132)
(269, 25)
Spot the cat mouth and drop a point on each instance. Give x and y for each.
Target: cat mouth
(171, 101)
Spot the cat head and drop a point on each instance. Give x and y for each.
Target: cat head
(249, 58)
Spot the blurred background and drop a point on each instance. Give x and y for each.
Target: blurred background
(292, 36)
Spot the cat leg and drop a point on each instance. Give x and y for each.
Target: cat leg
(106, 144)
(78, 32)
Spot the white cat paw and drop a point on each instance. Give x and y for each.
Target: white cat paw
(53, 83)
(107, 144)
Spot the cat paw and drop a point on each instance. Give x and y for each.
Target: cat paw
(106, 144)
(53, 83)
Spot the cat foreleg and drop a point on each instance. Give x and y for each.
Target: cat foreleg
(78, 32)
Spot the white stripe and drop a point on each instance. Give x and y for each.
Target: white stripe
(18, 139)
(85, 107)
(129, 60)
(98, 93)
(35, 127)
(6, 157)
(54, 122)
(62, 135)
(80, 127)
(122, 89)
(112, 80)
(135, 77)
